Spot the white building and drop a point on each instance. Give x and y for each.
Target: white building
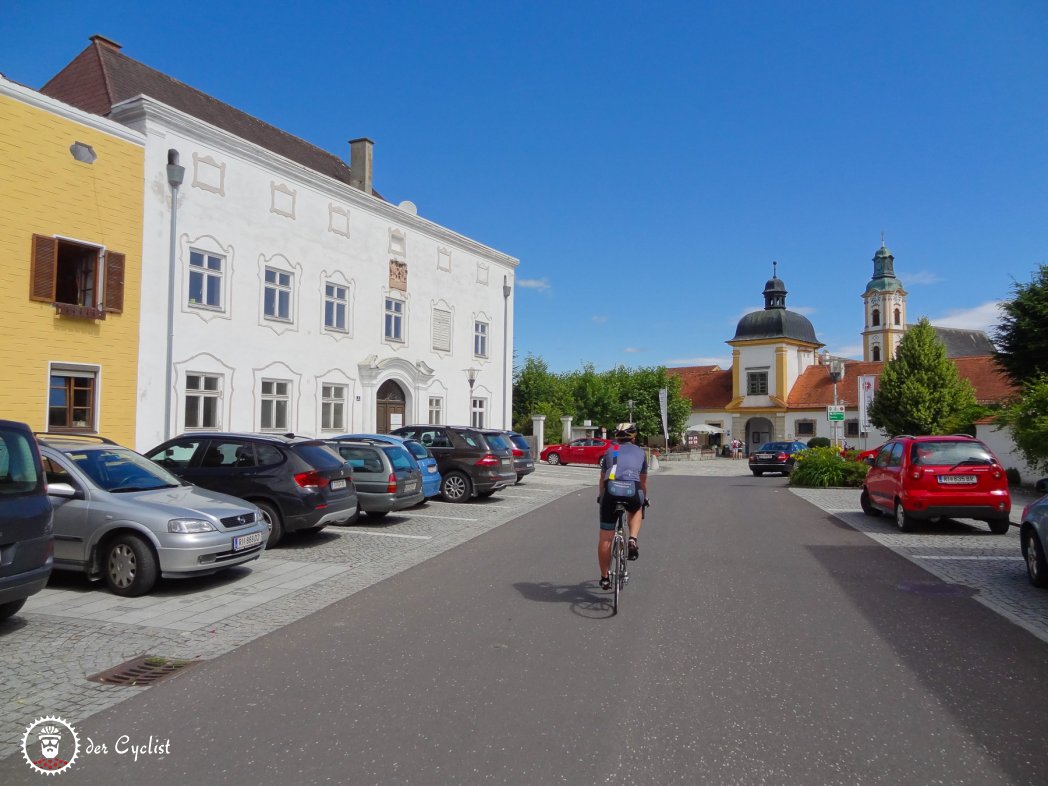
(293, 297)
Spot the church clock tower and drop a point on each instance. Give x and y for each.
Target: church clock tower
(885, 302)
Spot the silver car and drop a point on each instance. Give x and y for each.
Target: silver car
(120, 517)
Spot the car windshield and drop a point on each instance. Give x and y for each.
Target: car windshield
(784, 446)
(949, 452)
(318, 455)
(18, 473)
(520, 442)
(399, 458)
(120, 470)
(361, 458)
(418, 450)
(497, 441)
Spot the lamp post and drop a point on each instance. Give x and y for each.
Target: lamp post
(471, 377)
(836, 374)
(175, 175)
(506, 409)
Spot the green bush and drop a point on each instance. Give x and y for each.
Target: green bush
(822, 467)
(819, 442)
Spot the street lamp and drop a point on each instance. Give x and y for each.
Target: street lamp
(175, 175)
(471, 377)
(506, 291)
(836, 374)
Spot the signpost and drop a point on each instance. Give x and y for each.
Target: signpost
(835, 413)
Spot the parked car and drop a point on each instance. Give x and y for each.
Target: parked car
(867, 456)
(26, 539)
(427, 462)
(299, 484)
(473, 462)
(523, 463)
(585, 450)
(775, 457)
(122, 518)
(928, 478)
(1033, 535)
(386, 476)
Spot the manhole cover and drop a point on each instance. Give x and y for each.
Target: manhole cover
(142, 671)
(938, 589)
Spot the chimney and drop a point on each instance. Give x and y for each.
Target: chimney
(109, 42)
(360, 163)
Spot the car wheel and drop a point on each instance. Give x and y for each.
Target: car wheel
(903, 520)
(757, 472)
(276, 524)
(129, 566)
(10, 609)
(999, 526)
(1036, 563)
(376, 514)
(455, 487)
(866, 505)
(553, 458)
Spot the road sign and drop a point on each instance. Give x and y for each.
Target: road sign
(835, 412)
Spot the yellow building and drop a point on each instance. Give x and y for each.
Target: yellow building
(71, 195)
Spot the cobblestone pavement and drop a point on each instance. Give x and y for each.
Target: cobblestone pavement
(74, 629)
(960, 552)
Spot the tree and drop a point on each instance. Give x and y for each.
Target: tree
(537, 391)
(1027, 419)
(1022, 335)
(920, 391)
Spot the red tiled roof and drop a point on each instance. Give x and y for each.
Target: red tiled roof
(991, 385)
(102, 76)
(708, 387)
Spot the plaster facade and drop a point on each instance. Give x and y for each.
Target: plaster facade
(73, 180)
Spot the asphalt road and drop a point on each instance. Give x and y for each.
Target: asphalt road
(760, 641)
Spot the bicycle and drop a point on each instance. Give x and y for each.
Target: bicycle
(619, 575)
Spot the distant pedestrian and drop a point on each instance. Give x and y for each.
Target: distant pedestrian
(736, 448)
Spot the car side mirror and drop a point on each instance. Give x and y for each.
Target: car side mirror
(63, 490)
(1041, 485)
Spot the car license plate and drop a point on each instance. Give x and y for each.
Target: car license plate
(413, 486)
(764, 456)
(338, 483)
(956, 480)
(507, 462)
(247, 541)
(431, 468)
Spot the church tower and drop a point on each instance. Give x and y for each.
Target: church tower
(885, 302)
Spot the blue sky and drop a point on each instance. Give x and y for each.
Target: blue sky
(647, 161)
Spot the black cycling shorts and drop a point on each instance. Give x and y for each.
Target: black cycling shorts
(607, 507)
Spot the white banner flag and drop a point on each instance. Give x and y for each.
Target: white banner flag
(867, 390)
(663, 399)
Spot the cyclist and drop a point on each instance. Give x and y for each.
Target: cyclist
(623, 476)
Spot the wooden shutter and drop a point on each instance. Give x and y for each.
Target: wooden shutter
(114, 300)
(42, 272)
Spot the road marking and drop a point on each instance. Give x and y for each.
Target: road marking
(425, 516)
(387, 534)
(934, 556)
(515, 496)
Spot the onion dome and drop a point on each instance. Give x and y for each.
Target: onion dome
(775, 321)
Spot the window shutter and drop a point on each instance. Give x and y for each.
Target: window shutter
(114, 301)
(442, 330)
(42, 272)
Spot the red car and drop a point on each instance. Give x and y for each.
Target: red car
(587, 450)
(928, 478)
(868, 455)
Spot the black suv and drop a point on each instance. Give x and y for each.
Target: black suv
(26, 539)
(298, 483)
(471, 461)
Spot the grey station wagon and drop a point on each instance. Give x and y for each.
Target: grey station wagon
(120, 517)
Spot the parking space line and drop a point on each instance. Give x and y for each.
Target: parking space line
(386, 534)
(975, 557)
(427, 516)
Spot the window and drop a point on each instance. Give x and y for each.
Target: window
(876, 352)
(757, 383)
(436, 410)
(80, 280)
(394, 319)
(477, 412)
(276, 399)
(851, 428)
(875, 318)
(278, 295)
(441, 330)
(805, 428)
(203, 401)
(333, 407)
(71, 400)
(336, 306)
(480, 339)
(205, 280)
(898, 317)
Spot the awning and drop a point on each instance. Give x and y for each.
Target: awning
(704, 428)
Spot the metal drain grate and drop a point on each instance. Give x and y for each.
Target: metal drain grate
(142, 671)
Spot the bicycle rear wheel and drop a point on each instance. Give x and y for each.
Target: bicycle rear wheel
(617, 563)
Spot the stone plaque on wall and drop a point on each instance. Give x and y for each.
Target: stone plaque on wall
(398, 275)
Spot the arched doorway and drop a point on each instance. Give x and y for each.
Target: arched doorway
(389, 407)
(758, 431)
